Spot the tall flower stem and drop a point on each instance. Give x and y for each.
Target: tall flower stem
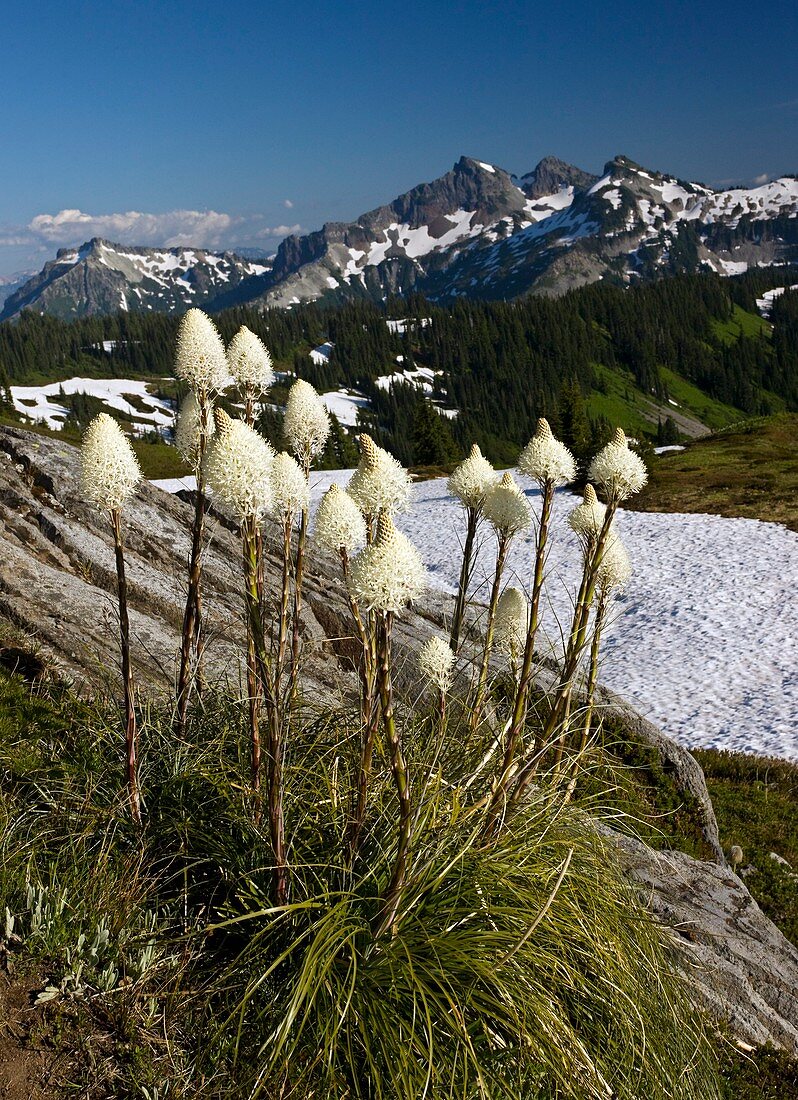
(249, 548)
(192, 623)
(253, 686)
(274, 744)
(131, 730)
(525, 680)
(393, 893)
(299, 576)
(501, 557)
(366, 664)
(369, 713)
(285, 600)
(574, 650)
(466, 570)
(592, 676)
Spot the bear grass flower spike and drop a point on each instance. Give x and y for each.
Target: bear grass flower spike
(339, 522)
(290, 491)
(380, 483)
(436, 662)
(587, 518)
(506, 507)
(307, 423)
(512, 615)
(110, 470)
(249, 362)
(188, 430)
(472, 479)
(387, 575)
(545, 459)
(618, 470)
(200, 357)
(238, 468)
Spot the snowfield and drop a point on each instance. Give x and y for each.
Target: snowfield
(41, 402)
(704, 641)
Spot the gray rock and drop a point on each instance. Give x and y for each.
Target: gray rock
(739, 966)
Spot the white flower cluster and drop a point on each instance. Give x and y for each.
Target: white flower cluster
(615, 567)
(200, 357)
(506, 507)
(290, 491)
(436, 662)
(307, 424)
(339, 523)
(380, 483)
(187, 429)
(238, 469)
(387, 575)
(110, 470)
(511, 622)
(471, 480)
(587, 518)
(546, 459)
(249, 362)
(618, 470)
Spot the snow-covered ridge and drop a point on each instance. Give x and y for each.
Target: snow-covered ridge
(40, 403)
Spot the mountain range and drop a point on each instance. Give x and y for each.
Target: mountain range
(476, 232)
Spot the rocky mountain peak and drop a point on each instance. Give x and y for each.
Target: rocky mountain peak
(551, 175)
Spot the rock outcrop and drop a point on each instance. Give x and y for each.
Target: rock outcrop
(741, 969)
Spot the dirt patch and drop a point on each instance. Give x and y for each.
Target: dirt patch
(23, 1067)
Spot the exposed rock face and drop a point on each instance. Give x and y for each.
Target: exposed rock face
(57, 583)
(475, 232)
(739, 965)
(102, 277)
(57, 579)
(552, 175)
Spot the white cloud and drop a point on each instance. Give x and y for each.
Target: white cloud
(177, 227)
(288, 204)
(279, 230)
(45, 233)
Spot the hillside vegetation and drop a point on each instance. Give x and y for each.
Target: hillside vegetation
(750, 470)
(671, 359)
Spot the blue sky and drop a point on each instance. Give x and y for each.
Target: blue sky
(224, 124)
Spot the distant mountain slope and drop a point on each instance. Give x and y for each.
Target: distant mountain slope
(101, 277)
(9, 284)
(476, 232)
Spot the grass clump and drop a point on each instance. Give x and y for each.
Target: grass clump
(526, 968)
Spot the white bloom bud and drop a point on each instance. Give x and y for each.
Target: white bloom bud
(546, 459)
(238, 468)
(200, 359)
(339, 522)
(187, 429)
(587, 518)
(617, 470)
(380, 483)
(436, 662)
(506, 507)
(307, 422)
(249, 362)
(110, 470)
(511, 622)
(387, 575)
(290, 491)
(470, 481)
(615, 567)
